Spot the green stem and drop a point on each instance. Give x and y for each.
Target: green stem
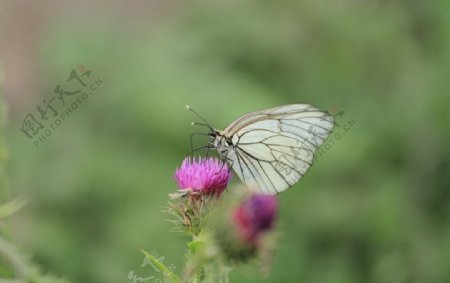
(16, 261)
(202, 267)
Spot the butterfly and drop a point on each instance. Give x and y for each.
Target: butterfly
(271, 149)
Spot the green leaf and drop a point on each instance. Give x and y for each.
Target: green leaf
(167, 272)
(11, 207)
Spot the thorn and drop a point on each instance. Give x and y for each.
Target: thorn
(192, 123)
(188, 107)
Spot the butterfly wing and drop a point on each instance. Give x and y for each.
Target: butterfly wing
(273, 148)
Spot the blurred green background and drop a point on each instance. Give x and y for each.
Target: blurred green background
(375, 206)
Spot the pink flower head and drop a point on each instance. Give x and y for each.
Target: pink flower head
(255, 216)
(203, 175)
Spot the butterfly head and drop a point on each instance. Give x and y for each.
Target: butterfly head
(216, 137)
(213, 133)
(220, 140)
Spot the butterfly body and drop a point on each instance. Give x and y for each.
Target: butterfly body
(222, 143)
(270, 150)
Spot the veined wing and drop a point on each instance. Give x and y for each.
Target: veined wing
(275, 147)
(271, 113)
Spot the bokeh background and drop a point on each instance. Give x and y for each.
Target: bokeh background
(374, 207)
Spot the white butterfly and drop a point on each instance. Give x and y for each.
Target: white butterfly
(270, 150)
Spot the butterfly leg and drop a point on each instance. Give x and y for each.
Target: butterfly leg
(231, 164)
(199, 148)
(224, 155)
(192, 139)
(224, 159)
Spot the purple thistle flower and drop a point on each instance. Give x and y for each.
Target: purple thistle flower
(255, 216)
(203, 175)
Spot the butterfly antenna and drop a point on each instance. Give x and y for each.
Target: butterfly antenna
(201, 118)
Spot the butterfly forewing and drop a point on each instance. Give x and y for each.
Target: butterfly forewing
(266, 114)
(273, 148)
